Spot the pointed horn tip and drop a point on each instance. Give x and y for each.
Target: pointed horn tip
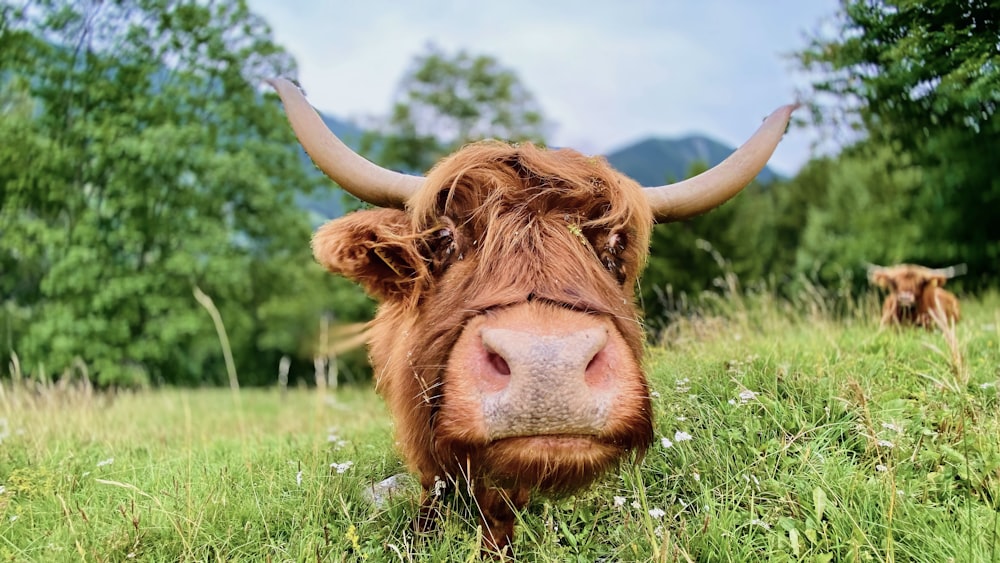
(873, 267)
(785, 111)
(280, 83)
(952, 271)
(790, 107)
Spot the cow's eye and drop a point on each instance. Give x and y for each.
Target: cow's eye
(443, 248)
(610, 250)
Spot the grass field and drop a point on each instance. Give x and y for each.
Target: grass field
(782, 435)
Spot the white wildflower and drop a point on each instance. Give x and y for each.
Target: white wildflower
(658, 531)
(654, 395)
(636, 505)
(761, 523)
(682, 418)
(342, 467)
(619, 501)
(439, 486)
(697, 476)
(893, 426)
(14, 517)
(747, 395)
(657, 513)
(731, 401)
(334, 438)
(104, 462)
(298, 478)
(881, 468)
(886, 444)
(665, 442)
(681, 436)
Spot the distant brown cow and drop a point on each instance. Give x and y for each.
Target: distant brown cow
(507, 343)
(915, 291)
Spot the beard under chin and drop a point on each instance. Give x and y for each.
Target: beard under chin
(550, 464)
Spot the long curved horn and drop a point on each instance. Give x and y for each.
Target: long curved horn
(712, 188)
(366, 181)
(950, 271)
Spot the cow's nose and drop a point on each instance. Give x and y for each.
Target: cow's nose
(906, 298)
(535, 384)
(569, 358)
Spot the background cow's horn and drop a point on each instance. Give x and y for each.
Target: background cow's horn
(712, 188)
(950, 271)
(354, 173)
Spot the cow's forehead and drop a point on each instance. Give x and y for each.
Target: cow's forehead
(491, 177)
(907, 272)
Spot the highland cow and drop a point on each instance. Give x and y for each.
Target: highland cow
(507, 343)
(914, 293)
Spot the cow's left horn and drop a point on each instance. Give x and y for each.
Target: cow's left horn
(367, 181)
(950, 271)
(712, 188)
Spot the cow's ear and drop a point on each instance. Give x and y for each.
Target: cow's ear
(375, 248)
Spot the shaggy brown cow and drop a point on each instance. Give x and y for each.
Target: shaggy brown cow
(915, 291)
(507, 342)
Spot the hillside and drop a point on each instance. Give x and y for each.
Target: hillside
(780, 434)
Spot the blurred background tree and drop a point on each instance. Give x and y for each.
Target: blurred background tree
(446, 100)
(921, 81)
(141, 158)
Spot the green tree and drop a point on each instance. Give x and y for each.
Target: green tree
(923, 77)
(444, 101)
(689, 257)
(858, 221)
(152, 162)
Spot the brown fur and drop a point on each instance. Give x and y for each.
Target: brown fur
(500, 236)
(914, 291)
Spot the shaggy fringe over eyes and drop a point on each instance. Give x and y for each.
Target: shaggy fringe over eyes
(487, 180)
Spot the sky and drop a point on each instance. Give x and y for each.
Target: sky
(606, 74)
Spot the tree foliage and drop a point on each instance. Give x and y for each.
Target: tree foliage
(922, 80)
(140, 159)
(447, 100)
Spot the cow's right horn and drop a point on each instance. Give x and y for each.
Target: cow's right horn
(712, 188)
(365, 180)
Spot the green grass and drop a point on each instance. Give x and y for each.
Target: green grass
(811, 439)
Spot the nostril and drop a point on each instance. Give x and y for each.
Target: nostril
(499, 364)
(597, 375)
